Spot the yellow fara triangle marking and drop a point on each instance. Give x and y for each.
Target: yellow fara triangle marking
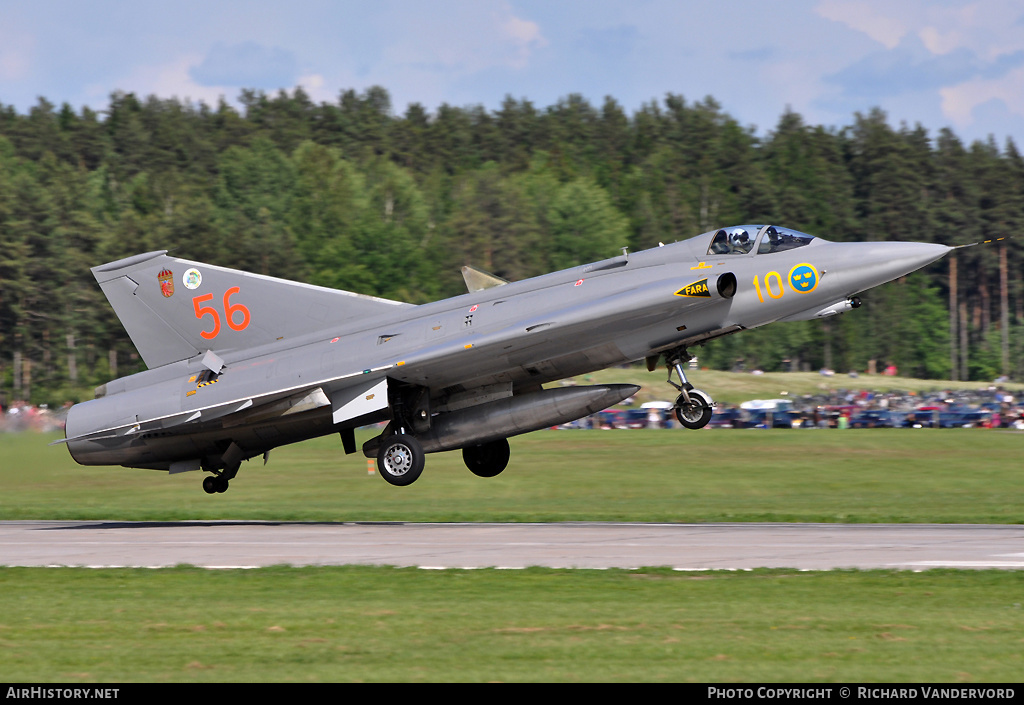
(702, 265)
(696, 289)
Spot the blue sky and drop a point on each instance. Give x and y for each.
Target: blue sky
(944, 63)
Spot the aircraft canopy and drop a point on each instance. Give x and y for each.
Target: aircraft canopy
(740, 239)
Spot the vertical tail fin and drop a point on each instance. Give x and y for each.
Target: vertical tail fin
(174, 309)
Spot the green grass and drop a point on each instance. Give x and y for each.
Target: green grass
(379, 624)
(862, 475)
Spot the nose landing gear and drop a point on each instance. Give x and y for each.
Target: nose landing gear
(693, 408)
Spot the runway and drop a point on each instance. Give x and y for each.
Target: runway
(252, 544)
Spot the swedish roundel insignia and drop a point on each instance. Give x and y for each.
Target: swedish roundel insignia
(699, 289)
(166, 278)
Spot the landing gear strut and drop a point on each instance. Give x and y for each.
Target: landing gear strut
(400, 457)
(693, 407)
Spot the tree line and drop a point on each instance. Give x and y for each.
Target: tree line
(353, 195)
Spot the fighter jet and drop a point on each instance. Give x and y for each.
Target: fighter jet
(241, 363)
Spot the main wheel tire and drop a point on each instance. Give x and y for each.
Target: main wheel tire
(210, 485)
(488, 459)
(697, 413)
(215, 484)
(400, 460)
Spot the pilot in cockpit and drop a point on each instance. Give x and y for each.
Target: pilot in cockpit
(737, 242)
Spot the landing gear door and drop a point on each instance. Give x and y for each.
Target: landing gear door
(358, 400)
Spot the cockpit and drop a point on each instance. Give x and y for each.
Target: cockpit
(740, 240)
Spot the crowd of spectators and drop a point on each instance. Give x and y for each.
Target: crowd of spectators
(994, 407)
(22, 416)
(990, 408)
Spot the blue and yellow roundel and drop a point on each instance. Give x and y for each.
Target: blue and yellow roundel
(803, 278)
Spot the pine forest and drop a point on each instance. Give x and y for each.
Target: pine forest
(357, 196)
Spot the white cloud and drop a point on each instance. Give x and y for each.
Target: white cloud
(963, 55)
(168, 80)
(990, 29)
(484, 37)
(174, 80)
(526, 37)
(15, 55)
(866, 17)
(316, 88)
(960, 101)
(939, 42)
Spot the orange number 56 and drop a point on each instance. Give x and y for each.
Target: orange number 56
(231, 312)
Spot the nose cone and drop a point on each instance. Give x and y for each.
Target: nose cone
(863, 265)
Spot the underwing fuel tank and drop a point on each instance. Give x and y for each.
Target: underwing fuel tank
(513, 415)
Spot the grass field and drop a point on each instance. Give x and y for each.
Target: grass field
(380, 624)
(863, 475)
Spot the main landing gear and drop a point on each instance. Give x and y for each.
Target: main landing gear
(693, 407)
(228, 463)
(400, 459)
(400, 455)
(215, 484)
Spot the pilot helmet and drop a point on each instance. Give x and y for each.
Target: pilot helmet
(740, 239)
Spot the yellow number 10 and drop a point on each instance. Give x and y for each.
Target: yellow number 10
(768, 286)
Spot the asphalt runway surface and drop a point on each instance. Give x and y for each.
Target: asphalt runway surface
(251, 544)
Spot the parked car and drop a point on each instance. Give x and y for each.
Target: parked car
(635, 418)
(610, 418)
(768, 418)
(727, 417)
(964, 418)
(877, 418)
(923, 417)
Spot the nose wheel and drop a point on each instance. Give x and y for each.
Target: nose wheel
(694, 408)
